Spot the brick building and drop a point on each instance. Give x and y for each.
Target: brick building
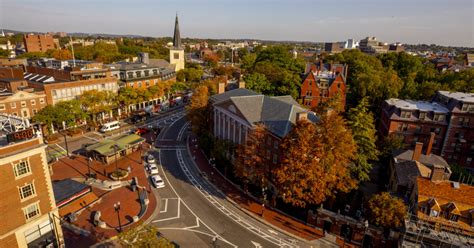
(322, 82)
(29, 214)
(60, 85)
(450, 115)
(142, 75)
(23, 103)
(407, 165)
(414, 121)
(235, 113)
(458, 145)
(38, 42)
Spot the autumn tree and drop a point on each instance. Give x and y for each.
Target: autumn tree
(386, 211)
(143, 236)
(250, 163)
(198, 113)
(96, 102)
(211, 59)
(315, 161)
(61, 54)
(361, 122)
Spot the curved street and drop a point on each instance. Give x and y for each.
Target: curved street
(193, 213)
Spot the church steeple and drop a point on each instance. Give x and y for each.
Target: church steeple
(177, 36)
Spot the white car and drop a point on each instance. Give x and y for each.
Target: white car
(157, 181)
(152, 169)
(151, 159)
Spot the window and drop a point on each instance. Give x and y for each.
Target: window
(176, 55)
(27, 191)
(103, 86)
(2, 106)
(465, 122)
(13, 105)
(22, 168)
(155, 72)
(268, 154)
(406, 114)
(35, 111)
(31, 211)
(422, 115)
(438, 117)
(434, 213)
(403, 127)
(130, 74)
(468, 160)
(139, 73)
(33, 102)
(275, 144)
(147, 73)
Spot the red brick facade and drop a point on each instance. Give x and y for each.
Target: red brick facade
(322, 82)
(38, 43)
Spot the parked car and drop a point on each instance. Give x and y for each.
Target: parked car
(152, 169)
(157, 181)
(151, 159)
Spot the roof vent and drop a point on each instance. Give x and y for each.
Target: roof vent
(456, 185)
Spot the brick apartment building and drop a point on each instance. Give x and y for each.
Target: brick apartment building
(414, 121)
(322, 82)
(458, 145)
(29, 214)
(38, 42)
(450, 116)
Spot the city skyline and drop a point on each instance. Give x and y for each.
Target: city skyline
(426, 22)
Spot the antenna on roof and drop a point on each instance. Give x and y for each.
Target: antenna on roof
(72, 50)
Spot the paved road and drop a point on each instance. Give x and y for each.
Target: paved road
(193, 213)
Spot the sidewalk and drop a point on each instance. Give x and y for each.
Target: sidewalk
(129, 200)
(252, 206)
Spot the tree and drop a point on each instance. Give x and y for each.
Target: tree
(3, 53)
(361, 122)
(386, 211)
(390, 143)
(250, 164)
(315, 161)
(62, 54)
(143, 236)
(95, 102)
(198, 113)
(211, 59)
(259, 83)
(248, 61)
(65, 112)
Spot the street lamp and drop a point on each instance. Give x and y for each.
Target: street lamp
(89, 161)
(117, 209)
(65, 141)
(366, 225)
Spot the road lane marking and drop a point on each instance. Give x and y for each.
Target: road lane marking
(166, 206)
(256, 230)
(190, 210)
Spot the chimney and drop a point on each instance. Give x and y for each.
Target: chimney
(437, 173)
(417, 151)
(302, 116)
(221, 88)
(430, 143)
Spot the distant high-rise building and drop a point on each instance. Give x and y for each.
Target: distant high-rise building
(372, 45)
(177, 51)
(38, 43)
(351, 44)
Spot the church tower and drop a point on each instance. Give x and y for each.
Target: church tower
(177, 51)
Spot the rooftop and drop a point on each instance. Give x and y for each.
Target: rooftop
(460, 96)
(417, 105)
(429, 160)
(277, 113)
(409, 169)
(105, 147)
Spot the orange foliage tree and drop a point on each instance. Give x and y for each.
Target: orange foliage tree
(250, 164)
(197, 110)
(62, 54)
(315, 161)
(386, 211)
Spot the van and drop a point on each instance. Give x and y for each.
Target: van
(110, 126)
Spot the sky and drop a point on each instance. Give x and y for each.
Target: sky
(443, 22)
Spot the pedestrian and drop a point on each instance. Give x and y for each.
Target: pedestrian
(263, 208)
(129, 169)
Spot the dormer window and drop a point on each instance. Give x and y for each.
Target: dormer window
(405, 114)
(438, 117)
(422, 115)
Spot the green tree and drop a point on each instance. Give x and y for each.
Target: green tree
(3, 53)
(143, 236)
(96, 102)
(386, 211)
(258, 82)
(361, 122)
